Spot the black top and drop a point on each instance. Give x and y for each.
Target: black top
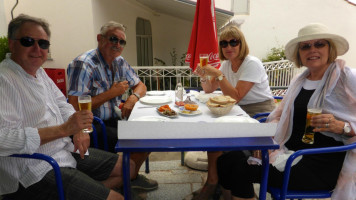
(320, 140)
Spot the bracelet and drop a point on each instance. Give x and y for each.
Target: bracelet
(202, 80)
(137, 95)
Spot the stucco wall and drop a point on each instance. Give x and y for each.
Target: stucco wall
(71, 23)
(273, 23)
(167, 32)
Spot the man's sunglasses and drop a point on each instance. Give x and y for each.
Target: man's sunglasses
(318, 44)
(233, 43)
(115, 40)
(29, 41)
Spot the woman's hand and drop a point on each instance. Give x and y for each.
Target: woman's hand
(327, 123)
(208, 70)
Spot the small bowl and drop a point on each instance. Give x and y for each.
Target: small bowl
(221, 110)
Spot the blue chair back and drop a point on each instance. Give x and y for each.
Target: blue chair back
(104, 134)
(54, 165)
(284, 193)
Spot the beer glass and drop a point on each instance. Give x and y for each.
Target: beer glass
(119, 79)
(84, 102)
(204, 58)
(308, 137)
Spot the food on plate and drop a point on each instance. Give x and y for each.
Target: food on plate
(166, 110)
(222, 100)
(188, 101)
(179, 103)
(191, 107)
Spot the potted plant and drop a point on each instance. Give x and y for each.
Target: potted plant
(4, 47)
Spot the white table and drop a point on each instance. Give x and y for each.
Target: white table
(191, 133)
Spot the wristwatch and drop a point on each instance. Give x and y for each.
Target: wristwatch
(347, 128)
(137, 95)
(220, 77)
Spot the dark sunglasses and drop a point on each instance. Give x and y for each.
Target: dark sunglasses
(318, 44)
(115, 40)
(29, 41)
(233, 43)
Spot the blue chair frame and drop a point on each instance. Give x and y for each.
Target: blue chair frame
(54, 165)
(284, 193)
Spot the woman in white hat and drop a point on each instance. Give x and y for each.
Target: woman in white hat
(327, 84)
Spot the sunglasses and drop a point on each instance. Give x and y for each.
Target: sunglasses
(318, 44)
(29, 41)
(233, 43)
(116, 40)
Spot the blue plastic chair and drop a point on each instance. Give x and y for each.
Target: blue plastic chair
(54, 165)
(284, 193)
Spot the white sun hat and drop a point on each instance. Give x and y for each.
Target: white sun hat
(312, 32)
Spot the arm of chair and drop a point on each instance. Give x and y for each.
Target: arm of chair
(261, 117)
(305, 152)
(55, 166)
(103, 130)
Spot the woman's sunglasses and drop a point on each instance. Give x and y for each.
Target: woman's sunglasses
(29, 41)
(116, 40)
(233, 43)
(318, 44)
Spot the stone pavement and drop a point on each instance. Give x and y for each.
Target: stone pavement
(176, 182)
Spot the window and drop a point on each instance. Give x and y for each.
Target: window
(240, 7)
(144, 42)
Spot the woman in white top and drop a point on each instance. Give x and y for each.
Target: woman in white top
(240, 76)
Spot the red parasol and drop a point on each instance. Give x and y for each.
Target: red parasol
(203, 39)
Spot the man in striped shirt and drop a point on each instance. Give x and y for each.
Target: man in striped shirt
(105, 75)
(36, 118)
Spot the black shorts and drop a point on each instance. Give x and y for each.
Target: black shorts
(83, 182)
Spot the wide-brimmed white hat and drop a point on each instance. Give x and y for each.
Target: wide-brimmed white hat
(312, 32)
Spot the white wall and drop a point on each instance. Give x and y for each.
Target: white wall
(71, 24)
(3, 25)
(273, 23)
(167, 32)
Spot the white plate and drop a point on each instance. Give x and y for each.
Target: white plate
(155, 93)
(169, 116)
(236, 119)
(155, 99)
(189, 113)
(152, 118)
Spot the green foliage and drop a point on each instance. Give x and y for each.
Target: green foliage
(275, 54)
(174, 56)
(4, 47)
(159, 62)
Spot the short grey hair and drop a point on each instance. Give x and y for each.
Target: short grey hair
(110, 26)
(18, 21)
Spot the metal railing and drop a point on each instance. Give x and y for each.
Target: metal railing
(280, 73)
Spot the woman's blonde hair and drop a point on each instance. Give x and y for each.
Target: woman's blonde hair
(332, 54)
(233, 32)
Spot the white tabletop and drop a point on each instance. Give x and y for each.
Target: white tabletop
(197, 126)
(141, 109)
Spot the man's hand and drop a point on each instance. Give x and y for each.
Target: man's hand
(81, 142)
(77, 122)
(128, 106)
(119, 88)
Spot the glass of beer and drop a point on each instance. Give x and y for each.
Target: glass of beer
(308, 137)
(204, 58)
(84, 102)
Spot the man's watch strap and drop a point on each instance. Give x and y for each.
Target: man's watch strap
(137, 95)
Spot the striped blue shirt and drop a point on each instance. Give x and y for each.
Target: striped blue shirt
(90, 74)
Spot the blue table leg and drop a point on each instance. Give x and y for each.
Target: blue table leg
(126, 175)
(264, 180)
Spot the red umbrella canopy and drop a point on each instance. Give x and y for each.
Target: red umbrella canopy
(203, 39)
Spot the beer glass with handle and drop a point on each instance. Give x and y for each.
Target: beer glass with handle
(308, 136)
(84, 102)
